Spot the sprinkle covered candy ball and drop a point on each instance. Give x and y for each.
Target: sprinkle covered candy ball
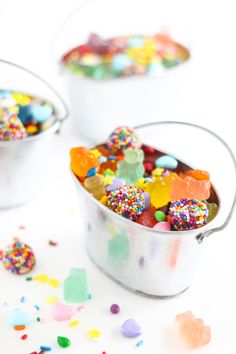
(11, 127)
(19, 258)
(123, 138)
(127, 200)
(188, 214)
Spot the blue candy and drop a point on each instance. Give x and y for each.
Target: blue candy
(41, 113)
(92, 172)
(136, 42)
(102, 159)
(19, 318)
(45, 348)
(121, 62)
(25, 114)
(166, 161)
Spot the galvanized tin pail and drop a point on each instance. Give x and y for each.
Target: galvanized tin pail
(23, 162)
(150, 262)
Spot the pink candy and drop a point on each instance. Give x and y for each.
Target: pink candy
(61, 312)
(162, 226)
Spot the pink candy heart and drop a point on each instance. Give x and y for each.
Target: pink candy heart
(61, 312)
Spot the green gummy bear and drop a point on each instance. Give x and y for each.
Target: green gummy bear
(131, 168)
(75, 286)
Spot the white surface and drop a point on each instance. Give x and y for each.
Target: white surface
(208, 98)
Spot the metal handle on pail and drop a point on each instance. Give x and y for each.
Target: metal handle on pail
(200, 237)
(65, 115)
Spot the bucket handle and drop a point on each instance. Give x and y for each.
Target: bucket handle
(201, 236)
(65, 114)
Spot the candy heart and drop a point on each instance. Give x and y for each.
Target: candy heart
(130, 328)
(18, 318)
(41, 113)
(61, 312)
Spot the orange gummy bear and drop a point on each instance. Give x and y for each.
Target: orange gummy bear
(189, 187)
(82, 161)
(192, 330)
(199, 175)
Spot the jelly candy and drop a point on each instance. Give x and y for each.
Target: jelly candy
(160, 216)
(82, 161)
(41, 113)
(192, 330)
(95, 185)
(75, 286)
(131, 329)
(147, 199)
(147, 218)
(160, 189)
(115, 309)
(162, 226)
(131, 168)
(199, 175)
(93, 334)
(115, 183)
(212, 209)
(63, 342)
(61, 312)
(189, 187)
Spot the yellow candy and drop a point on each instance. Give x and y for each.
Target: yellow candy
(21, 99)
(95, 152)
(103, 200)
(140, 182)
(51, 299)
(108, 180)
(74, 323)
(160, 190)
(157, 172)
(93, 334)
(42, 278)
(32, 129)
(54, 283)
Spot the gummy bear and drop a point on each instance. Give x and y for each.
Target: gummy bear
(131, 168)
(95, 185)
(199, 175)
(82, 161)
(160, 189)
(213, 209)
(189, 187)
(192, 330)
(75, 286)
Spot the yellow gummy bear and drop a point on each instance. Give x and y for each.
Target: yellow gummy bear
(95, 152)
(160, 189)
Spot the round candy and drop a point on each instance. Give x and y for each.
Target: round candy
(19, 258)
(166, 161)
(123, 138)
(11, 127)
(160, 216)
(127, 200)
(162, 226)
(115, 309)
(188, 214)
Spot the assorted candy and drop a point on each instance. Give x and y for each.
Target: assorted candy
(22, 115)
(145, 185)
(140, 55)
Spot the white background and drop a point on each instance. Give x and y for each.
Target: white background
(27, 31)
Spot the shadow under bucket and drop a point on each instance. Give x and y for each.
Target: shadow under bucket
(23, 162)
(150, 262)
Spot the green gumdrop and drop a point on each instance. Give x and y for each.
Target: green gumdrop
(119, 247)
(75, 286)
(63, 342)
(213, 209)
(160, 216)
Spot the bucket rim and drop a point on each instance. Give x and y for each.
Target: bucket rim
(187, 234)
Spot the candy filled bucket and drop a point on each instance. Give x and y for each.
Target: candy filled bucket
(27, 126)
(119, 68)
(160, 261)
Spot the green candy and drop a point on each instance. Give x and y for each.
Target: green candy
(63, 342)
(160, 216)
(75, 286)
(213, 209)
(119, 247)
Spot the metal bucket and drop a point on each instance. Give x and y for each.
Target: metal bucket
(150, 262)
(23, 163)
(103, 104)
